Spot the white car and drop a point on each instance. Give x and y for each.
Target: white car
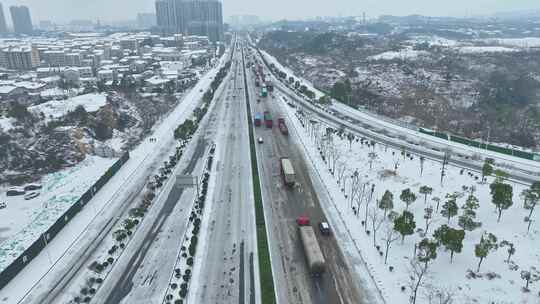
(260, 140)
(31, 195)
(3, 205)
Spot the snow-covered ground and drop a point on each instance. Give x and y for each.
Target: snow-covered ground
(7, 123)
(59, 108)
(485, 49)
(500, 281)
(23, 221)
(528, 42)
(403, 54)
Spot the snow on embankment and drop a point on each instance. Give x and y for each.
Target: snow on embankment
(59, 108)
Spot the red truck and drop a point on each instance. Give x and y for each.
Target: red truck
(268, 120)
(282, 126)
(258, 120)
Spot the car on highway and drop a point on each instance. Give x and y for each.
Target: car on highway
(260, 140)
(31, 195)
(302, 221)
(3, 205)
(324, 227)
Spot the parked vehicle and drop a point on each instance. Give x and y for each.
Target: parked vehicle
(260, 140)
(268, 120)
(314, 257)
(324, 227)
(32, 187)
(282, 126)
(3, 205)
(264, 92)
(31, 195)
(258, 120)
(287, 171)
(15, 191)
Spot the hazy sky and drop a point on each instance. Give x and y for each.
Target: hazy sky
(108, 10)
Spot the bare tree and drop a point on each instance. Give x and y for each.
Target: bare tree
(417, 272)
(390, 236)
(376, 222)
(341, 168)
(439, 295)
(372, 157)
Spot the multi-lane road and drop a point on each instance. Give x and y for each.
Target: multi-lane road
(228, 273)
(283, 205)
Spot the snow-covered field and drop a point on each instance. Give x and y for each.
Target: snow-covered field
(403, 54)
(7, 123)
(528, 42)
(22, 221)
(485, 49)
(59, 108)
(499, 281)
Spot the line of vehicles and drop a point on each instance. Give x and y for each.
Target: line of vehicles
(314, 257)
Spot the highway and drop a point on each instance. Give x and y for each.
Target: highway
(294, 284)
(228, 273)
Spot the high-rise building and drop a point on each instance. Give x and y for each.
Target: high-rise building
(22, 23)
(191, 17)
(3, 25)
(20, 57)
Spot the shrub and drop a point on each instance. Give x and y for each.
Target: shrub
(110, 260)
(99, 280)
(84, 291)
(174, 286)
(92, 291)
(189, 261)
(182, 293)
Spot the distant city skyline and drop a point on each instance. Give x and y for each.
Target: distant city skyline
(63, 11)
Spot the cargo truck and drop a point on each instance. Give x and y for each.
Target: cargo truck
(314, 257)
(258, 119)
(283, 127)
(287, 171)
(268, 120)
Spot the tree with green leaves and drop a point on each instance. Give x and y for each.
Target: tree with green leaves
(511, 249)
(501, 197)
(426, 251)
(487, 244)
(467, 219)
(426, 190)
(387, 202)
(450, 238)
(428, 216)
(405, 224)
(450, 208)
(531, 197)
(487, 169)
(408, 197)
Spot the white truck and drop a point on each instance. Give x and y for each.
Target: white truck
(287, 171)
(314, 256)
